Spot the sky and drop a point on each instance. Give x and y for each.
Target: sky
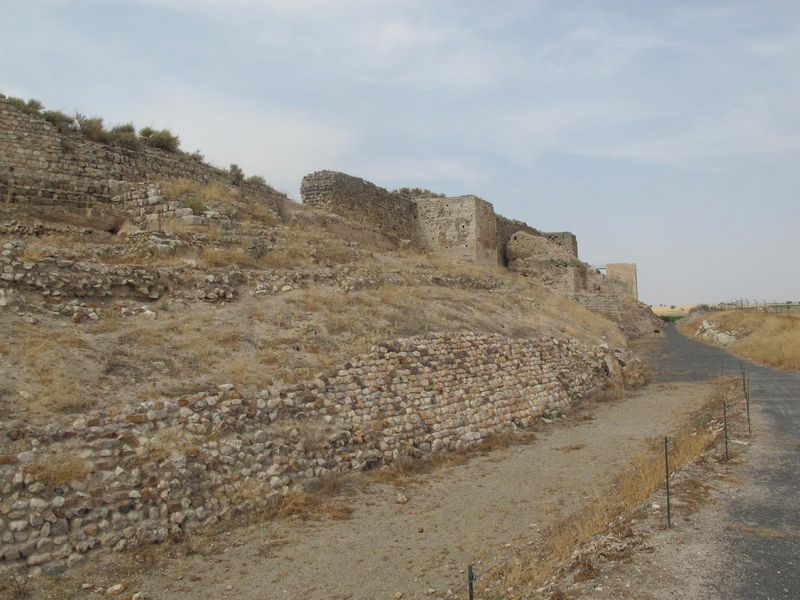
(661, 133)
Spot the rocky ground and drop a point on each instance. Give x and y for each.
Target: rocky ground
(268, 301)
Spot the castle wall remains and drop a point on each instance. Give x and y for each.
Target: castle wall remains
(362, 202)
(625, 273)
(459, 228)
(109, 482)
(42, 167)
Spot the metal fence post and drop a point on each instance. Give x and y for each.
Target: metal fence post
(725, 425)
(666, 468)
(747, 404)
(471, 582)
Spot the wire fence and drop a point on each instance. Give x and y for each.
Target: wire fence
(474, 576)
(788, 308)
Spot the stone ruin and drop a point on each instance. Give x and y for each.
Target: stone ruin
(466, 228)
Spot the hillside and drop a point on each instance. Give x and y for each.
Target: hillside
(769, 339)
(181, 345)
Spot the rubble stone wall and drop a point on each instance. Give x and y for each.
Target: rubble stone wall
(458, 228)
(361, 201)
(43, 167)
(113, 481)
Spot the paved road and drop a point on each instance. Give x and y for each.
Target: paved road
(764, 556)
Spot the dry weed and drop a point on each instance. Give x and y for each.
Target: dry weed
(643, 476)
(58, 468)
(769, 339)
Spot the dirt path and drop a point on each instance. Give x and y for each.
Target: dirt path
(471, 513)
(746, 542)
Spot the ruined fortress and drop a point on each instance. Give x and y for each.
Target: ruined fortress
(466, 228)
(141, 472)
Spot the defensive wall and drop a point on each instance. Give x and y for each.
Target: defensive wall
(463, 228)
(43, 167)
(161, 469)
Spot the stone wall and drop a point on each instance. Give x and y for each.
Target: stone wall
(459, 228)
(111, 481)
(625, 273)
(549, 263)
(505, 229)
(39, 166)
(362, 202)
(607, 305)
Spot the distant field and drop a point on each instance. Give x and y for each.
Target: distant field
(674, 310)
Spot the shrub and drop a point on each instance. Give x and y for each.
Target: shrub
(146, 132)
(63, 122)
(93, 128)
(125, 135)
(163, 139)
(197, 155)
(195, 204)
(256, 180)
(237, 175)
(31, 107)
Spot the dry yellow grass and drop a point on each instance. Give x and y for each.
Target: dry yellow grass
(58, 468)
(212, 194)
(643, 476)
(772, 340)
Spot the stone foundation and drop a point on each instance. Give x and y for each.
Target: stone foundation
(108, 482)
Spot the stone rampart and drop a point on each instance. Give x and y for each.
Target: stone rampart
(40, 166)
(111, 481)
(362, 202)
(625, 274)
(457, 228)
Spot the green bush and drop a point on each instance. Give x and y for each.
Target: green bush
(146, 132)
(125, 135)
(197, 155)
(237, 175)
(256, 180)
(93, 128)
(63, 122)
(164, 139)
(31, 107)
(195, 204)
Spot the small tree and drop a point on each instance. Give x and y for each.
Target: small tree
(64, 123)
(237, 175)
(163, 139)
(93, 128)
(125, 135)
(256, 180)
(31, 107)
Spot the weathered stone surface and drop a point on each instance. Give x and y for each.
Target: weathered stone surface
(404, 398)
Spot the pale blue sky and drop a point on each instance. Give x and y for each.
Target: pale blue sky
(663, 133)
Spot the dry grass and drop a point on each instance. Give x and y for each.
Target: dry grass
(402, 471)
(772, 340)
(307, 506)
(171, 439)
(643, 476)
(58, 469)
(212, 194)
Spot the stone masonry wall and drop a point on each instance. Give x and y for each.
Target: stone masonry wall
(108, 482)
(625, 273)
(43, 167)
(362, 202)
(458, 228)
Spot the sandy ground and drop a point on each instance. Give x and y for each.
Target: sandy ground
(476, 513)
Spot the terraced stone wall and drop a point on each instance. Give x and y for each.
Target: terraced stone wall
(43, 167)
(115, 480)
